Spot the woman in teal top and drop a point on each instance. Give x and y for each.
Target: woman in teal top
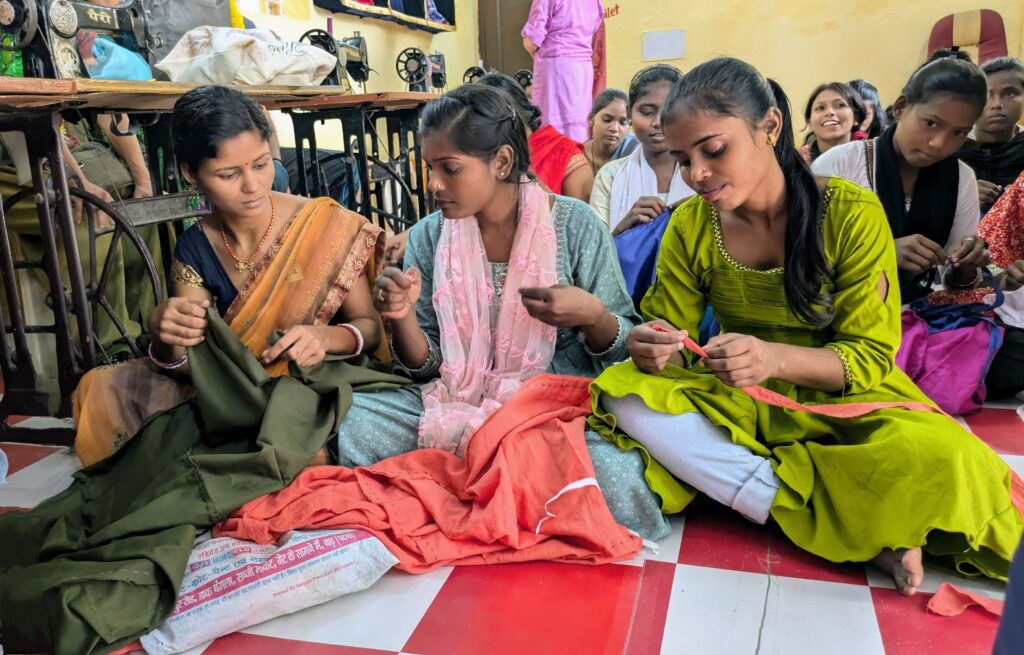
(801, 273)
(475, 147)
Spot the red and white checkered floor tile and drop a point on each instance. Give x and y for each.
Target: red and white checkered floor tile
(718, 584)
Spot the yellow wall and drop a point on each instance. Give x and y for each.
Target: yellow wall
(801, 43)
(384, 41)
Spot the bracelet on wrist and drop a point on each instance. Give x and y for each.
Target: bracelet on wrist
(611, 346)
(962, 286)
(167, 366)
(360, 343)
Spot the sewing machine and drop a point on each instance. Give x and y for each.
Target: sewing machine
(51, 34)
(351, 54)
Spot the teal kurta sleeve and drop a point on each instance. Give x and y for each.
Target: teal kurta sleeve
(595, 269)
(419, 253)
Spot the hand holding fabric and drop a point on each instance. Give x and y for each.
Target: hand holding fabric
(740, 360)
(1013, 278)
(988, 193)
(644, 210)
(142, 189)
(971, 253)
(395, 292)
(394, 249)
(179, 321)
(77, 204)
(651, 349)
(562, 305)
(917, 254)
(306, 345)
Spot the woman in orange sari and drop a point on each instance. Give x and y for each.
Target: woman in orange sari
(266, 262)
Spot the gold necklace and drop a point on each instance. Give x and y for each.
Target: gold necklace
(249, 264)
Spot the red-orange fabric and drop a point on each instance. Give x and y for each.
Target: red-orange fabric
(431, 508)
(840, 410)
(600, 61)
(950, 600)
(550, 154)
(1017, 492)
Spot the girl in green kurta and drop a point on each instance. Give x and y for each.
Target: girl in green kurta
(798, 271)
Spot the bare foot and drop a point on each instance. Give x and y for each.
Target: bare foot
(322, 458)
(905, 567)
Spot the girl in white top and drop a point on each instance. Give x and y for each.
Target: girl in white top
(639, 188)
(930, 197)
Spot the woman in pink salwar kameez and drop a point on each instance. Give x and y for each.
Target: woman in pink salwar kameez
(559, 34)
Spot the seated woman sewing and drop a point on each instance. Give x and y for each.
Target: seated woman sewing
(265, 261)
(505, 283)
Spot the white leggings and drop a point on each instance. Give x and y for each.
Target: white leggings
(698, 453)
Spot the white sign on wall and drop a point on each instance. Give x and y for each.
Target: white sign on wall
(670, 44)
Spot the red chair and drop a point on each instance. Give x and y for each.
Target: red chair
(979, 32)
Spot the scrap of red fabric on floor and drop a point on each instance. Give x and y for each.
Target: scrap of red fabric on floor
(950, 600)
(525, 491)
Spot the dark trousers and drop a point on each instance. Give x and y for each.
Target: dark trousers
(1006, 375)
(1010, 639)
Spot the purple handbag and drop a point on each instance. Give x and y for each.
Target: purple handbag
(947, 350)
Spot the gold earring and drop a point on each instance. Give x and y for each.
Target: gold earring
(772, 139)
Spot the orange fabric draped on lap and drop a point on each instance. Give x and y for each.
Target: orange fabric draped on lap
(525, 491)
(302, 280)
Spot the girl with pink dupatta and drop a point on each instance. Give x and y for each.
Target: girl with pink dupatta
(504, 283)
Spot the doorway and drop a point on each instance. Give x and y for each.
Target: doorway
(501, 46)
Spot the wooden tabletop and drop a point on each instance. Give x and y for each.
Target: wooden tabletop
(390, 100)
(17, 93)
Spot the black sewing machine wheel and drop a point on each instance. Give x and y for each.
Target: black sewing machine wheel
(19, 20)
(98, 276)
(524, 77)
(412, 66)
(319, 38)
(323, 40)
(96, 289)
(438, 71)
(473, 73)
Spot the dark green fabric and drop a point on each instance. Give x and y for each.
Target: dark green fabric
(100, 564)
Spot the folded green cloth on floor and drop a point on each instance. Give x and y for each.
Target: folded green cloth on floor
(100, 564)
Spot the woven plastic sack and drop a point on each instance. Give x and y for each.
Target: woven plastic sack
(232, 584)
(224, 55)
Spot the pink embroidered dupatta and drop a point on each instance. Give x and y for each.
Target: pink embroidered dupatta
(484, 367)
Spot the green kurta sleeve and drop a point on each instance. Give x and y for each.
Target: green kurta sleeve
(678, 295)
(866, 323)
